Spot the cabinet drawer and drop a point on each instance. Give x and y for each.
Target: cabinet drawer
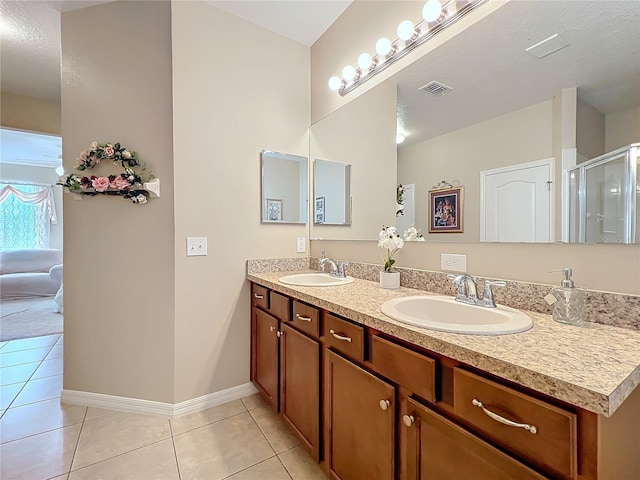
(279, 306)
(344, 336)
(306, 318)
(485, 405)
(259, 296)
(404, 367)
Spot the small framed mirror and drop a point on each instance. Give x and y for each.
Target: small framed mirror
(332, 193)
(284, 187)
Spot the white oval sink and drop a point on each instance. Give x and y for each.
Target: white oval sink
(446, 315)
(314, 280)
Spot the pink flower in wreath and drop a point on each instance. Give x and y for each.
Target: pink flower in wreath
(101, 184)
(120, 183)
(108, 150)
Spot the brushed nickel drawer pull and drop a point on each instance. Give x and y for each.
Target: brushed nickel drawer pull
(384, 404)
(530, 428)
(272, 328)
(280, 334)
(300, 317)
(258, 296)
(344, 338)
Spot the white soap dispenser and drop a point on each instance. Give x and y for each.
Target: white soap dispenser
(567, 300)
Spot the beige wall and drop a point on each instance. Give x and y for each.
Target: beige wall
(362, 134)
(589, 130)
(119, 257)
(622, 128)
(237, 89)
(602, 267)
(519, 137)
(27, 113)
(44, 175)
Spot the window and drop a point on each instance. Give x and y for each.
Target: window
(24, 224)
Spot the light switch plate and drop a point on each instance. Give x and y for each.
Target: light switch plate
(301, 245)
(453, 262)
(196, 246)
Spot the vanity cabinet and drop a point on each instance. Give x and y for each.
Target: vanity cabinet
(368, 405)
(361, 422)
(265, 362)
(300, 386)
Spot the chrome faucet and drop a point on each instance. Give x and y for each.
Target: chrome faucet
(467, 290)
(336, 267)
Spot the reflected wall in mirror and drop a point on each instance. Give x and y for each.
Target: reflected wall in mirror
(332, 192)
(513, 108)
(284, 188)
(361, 135)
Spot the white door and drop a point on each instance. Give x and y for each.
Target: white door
(515, 203)
(408, 216)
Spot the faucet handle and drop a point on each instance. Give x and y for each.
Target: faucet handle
(487, 296)
(320, 260)
(340, 265)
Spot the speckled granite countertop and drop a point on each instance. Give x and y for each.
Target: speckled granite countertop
(595, 367)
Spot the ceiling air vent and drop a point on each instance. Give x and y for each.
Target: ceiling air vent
(435, 88)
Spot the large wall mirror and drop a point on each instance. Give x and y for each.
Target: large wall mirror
(511, 109)
(284, 187)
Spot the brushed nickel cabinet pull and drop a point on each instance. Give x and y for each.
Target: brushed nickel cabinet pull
(384, 404)
(530, 428)
(280, 334)
(258, 296)
(272, 328)
(344, 338)
(408, 420)
(300, 317)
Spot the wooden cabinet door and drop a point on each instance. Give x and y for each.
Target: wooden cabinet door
(264, 340)
(360, 411)
(300, 386)
(438, 449)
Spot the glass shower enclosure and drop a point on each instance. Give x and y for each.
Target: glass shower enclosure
(603, 196)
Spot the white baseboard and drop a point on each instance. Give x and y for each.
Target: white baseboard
(150, 407)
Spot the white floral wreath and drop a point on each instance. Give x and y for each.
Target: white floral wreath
(128, 184)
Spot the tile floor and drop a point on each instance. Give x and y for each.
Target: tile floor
(40, 438)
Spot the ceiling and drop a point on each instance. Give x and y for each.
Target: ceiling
(491, 73)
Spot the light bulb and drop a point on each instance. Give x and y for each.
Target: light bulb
(349, 73)
(335, 83)
(383, 46)
(432, 10)
(406, 30)
(399, 138)
(365, 61)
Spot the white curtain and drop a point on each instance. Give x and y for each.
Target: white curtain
(26, 213)
(45, 194)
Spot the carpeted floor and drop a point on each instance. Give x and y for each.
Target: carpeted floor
(29, 318)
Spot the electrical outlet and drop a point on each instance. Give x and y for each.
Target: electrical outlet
(453, 262)
(301, 245)
(196, 246)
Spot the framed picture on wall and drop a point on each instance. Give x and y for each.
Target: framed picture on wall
(274, 210)
(445, 210)
(319, 209)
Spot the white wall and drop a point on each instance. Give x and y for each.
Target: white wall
(45, 176)
(237, 89)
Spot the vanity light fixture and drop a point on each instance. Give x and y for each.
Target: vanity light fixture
(435, 18)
